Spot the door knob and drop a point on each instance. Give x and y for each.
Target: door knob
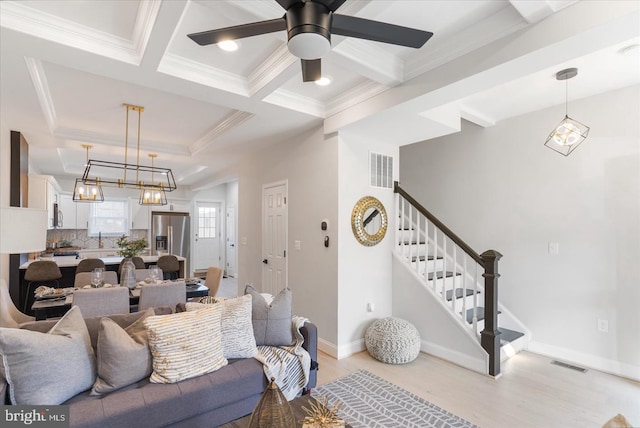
(265, 261)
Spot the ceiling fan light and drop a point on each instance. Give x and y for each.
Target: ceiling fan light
(229, 45)
(309, 45)
(323, 81)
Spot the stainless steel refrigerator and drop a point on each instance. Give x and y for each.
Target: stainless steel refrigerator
(170, 234)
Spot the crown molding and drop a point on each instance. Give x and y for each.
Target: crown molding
(41, 86)
(279, 61)
(109, 140)
(372, 61)
(353, 96)
(193, 71)
(503, 23)
(145, 20)
(233, 120)
(293, 101)
(19, 17)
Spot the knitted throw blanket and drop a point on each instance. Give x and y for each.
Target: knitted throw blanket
(289, 365)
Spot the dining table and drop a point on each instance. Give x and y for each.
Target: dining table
(58, 304)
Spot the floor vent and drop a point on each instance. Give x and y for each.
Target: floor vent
(569, 366)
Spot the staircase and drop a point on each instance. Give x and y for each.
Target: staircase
(461, 281)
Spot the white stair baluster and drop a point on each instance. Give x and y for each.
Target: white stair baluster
(475, 300)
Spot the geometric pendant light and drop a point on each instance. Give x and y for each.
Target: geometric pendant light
(87, 192)
(152, 193)
(569, 133)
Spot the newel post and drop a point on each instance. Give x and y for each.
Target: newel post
(490, 336)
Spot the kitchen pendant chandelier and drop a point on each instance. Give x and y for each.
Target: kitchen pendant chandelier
(87, 192)
(129, 175)
(569, 133)
(150, 195)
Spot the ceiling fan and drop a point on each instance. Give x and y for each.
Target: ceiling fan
(309, 26)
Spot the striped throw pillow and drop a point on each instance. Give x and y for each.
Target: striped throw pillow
(185, 345)
(238, 340)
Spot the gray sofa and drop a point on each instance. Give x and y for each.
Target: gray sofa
(204, 401)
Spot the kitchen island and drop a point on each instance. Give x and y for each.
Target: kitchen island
(68, 264)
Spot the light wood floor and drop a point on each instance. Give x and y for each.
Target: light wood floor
(531, 392)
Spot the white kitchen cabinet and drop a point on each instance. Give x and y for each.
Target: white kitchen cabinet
(177, 205)
(43, 193)
(82, 215)
(140, 214)
(67, 208)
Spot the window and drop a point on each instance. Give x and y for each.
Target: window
(207, 222)
(110, 218)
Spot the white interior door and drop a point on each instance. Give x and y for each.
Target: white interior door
(206, 251)
(231, 241)
(274, 237)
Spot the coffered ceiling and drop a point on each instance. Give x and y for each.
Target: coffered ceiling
(68, 66)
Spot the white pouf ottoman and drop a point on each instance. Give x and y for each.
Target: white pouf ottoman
(392, 340)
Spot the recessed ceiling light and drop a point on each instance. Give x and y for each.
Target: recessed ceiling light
(323, 81)
(229, 45)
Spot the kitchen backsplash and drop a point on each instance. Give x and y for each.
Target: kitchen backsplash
(79, 238)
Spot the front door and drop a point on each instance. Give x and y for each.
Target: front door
(274, 237)
(231, 241)
(206, 251)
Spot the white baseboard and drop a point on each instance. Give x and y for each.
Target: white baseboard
(581, 359)
(479, 365)
(343, 351)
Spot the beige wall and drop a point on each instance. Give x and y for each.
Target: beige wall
(500, 188)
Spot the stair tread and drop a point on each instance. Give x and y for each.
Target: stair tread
(508, 336)
(458, 293)
(422, 258)
(440, 274)
(480, 314)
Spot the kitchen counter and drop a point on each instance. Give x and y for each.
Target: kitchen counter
(72, 261)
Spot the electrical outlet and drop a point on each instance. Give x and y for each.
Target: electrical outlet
(371, 307)
(554, 248)
(603, 326)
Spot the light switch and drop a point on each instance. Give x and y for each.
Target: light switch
(554, 248)
(297, 245)
(243, 240)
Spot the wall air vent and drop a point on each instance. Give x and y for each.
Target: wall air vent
(380, 170)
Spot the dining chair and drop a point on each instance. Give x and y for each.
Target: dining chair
(156, 295)
(84, 278)
(88, 265)
(212, 280)
(170, 266)
(94, 302)
(138, 262)
(40, 272)
(10, 316)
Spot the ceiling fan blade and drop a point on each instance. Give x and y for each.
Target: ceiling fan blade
(332, 5)
(378, 31)
(311, 70)
(286, 4)
(238, 31)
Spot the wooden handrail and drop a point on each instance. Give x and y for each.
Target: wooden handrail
(433, 219)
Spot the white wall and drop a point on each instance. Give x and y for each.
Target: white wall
(364, 273)
(500, 188)
(309, 164)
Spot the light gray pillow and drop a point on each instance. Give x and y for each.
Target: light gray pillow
(271, 322)
(236, 326)
(123, 355)
(33, 376)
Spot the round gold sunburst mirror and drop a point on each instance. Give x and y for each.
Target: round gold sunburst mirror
(369, 221)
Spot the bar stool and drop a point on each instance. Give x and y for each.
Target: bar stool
(40, 272)
(169, 265)
(88, 265)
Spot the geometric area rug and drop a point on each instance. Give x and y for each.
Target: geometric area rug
(368, 401)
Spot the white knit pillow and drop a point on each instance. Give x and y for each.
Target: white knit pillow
(185, 345)
(238, 340)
